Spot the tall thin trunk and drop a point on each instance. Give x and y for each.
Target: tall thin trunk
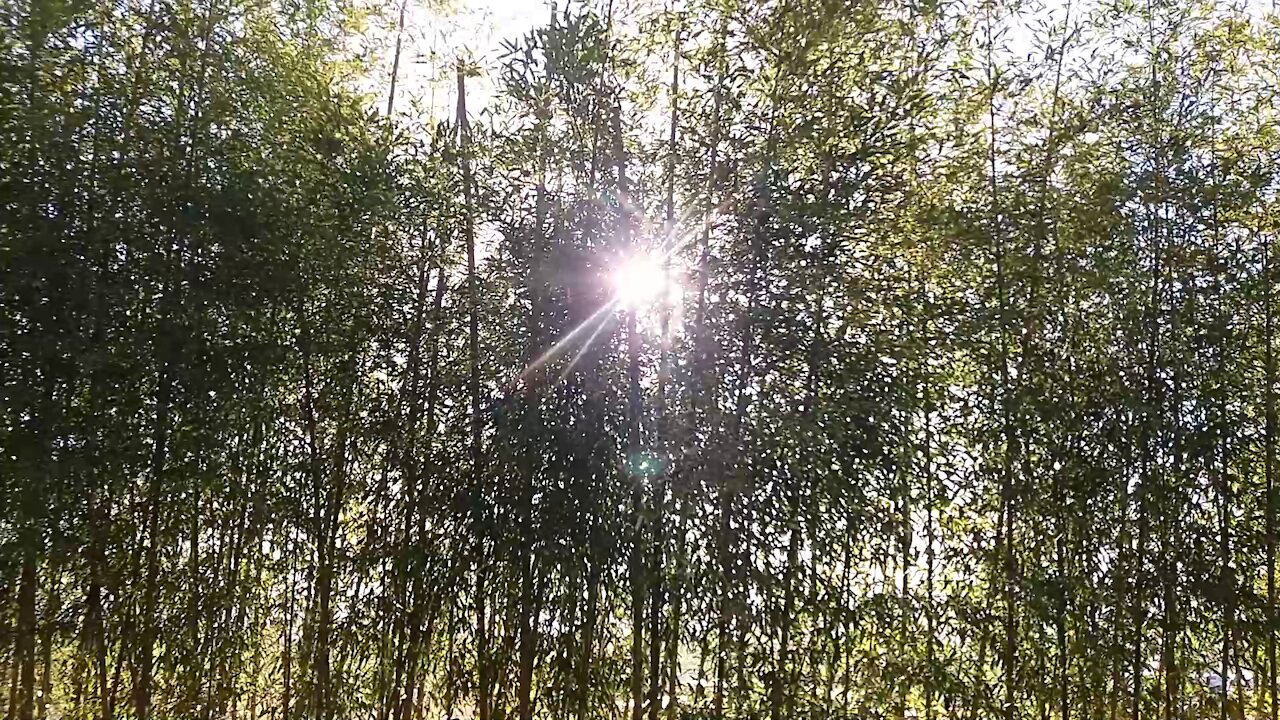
(320, 651)
(416, 632)
(46, 644)
(473, 387)
(841, 651)
(737, 477)
(395, 62)
(314, 647)
(1152, 407)
(25, 640)
(1046, 225)
(1007, 459)
(782, 691)
(286, 659)
(95, 635)
(159, 455)
(904, 592)
(1169, 549)
(22, 686)
(531, 425)
(585, 660)
(1222, 445)
(632, 462)
(1269, 402)
(702, 392)
(657, 560)
(9, 660)
(179, 276)
(1225, 578)
(930, 611)
(187, 704)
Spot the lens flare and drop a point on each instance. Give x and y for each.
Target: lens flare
(640, 281)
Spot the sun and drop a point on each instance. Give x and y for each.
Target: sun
(640, 280)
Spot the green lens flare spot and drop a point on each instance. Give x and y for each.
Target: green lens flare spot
(643, 465)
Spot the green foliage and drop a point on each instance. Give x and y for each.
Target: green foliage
(961, 403)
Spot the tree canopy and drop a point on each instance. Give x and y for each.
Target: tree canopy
(733, 359)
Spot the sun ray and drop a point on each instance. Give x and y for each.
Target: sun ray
(660, 257)
(560, 345)
(583, 349)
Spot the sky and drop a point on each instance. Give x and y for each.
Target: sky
(432, 41)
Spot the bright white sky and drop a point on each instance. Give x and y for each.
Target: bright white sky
(434, 38)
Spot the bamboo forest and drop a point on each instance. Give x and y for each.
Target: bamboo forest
(647, 360)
